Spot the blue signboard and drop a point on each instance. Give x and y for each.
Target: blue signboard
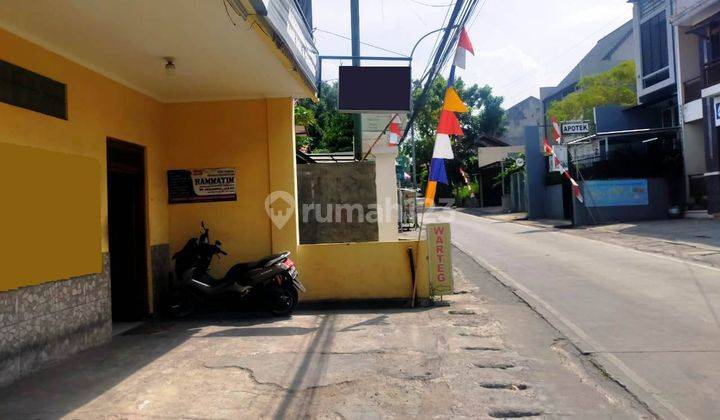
(616, 192)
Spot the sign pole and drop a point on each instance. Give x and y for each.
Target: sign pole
(355, 43)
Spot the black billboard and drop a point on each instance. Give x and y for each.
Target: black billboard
(374, 89)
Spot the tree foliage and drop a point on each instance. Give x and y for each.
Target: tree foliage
(328, 130)
(486, 117)
(613, 87)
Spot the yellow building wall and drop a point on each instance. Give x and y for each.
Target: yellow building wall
(254, 136)
(51, 208)
(97, 108)
(223, 134)
(362, 270)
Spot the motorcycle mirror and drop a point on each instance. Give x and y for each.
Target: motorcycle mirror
(218, 243)
(202, 224)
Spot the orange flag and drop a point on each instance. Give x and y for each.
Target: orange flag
(453, 102)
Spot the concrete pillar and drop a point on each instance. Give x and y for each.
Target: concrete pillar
(386, 188)
(535, 169)
(282, 170)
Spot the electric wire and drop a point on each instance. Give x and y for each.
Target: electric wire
(431, 5)
(361, 42)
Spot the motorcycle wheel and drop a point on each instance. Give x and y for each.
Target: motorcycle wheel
(283, 300)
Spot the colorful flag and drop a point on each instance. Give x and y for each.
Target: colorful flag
(576, 191)
(442, 148)
(394, 132)
(437, 171)
(430, 193)
(464, 46)
(453, 102)
(449, 124)
(557, 135)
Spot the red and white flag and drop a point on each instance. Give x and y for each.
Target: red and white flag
(547, 148)
(557, 135)
(394, 132)
(464, 46)
(576, 190)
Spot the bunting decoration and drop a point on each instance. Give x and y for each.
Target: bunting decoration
(453, 102)
(547, 148)
(577, 193)
(394, 133)
(557, 135)
(464, 46)
(448, 124)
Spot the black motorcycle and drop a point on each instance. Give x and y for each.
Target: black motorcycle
(273, 280)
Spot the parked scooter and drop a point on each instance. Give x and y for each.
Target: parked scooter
(272, 280)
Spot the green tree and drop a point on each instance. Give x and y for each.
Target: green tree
(613, 87)
(328, 130)
(485, 117)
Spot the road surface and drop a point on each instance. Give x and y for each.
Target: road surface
(651, 322)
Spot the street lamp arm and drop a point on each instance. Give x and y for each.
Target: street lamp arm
(412, 53)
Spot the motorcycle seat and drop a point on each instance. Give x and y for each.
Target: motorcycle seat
(269, 260)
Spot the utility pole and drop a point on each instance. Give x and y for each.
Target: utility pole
(414, 174)
(355, 41)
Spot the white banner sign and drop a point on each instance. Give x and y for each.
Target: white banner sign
(576, 127)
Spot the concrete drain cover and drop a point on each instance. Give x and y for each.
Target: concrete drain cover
(461, 312)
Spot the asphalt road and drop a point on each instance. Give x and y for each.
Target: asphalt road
(651, 322)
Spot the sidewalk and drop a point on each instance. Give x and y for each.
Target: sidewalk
(484, 354)
(696, 240)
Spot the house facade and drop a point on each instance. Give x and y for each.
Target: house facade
(696, 28)
(99, 103)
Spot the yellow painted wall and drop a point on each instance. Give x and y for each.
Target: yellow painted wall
(51, 208)
(361, 270)
(223, 134)
(97, 108)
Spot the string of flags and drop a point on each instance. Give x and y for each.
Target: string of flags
(448, 124)
(558, 163)
(394, 133)
(557, 136)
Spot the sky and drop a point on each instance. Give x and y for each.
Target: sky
(520, 45)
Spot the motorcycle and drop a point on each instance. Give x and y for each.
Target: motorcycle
(273, 280)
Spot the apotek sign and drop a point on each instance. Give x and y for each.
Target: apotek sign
(576, 127)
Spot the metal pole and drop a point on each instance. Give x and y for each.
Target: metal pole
(414, 175)
(355, 42)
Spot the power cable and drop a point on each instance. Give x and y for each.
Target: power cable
(364, 43)
(431, 5)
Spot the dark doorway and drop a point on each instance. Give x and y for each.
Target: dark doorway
(127, 230)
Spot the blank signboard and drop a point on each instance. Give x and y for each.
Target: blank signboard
(374, 89)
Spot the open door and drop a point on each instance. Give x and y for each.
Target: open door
(127, 230)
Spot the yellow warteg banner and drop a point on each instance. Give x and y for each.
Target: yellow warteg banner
(440, 262)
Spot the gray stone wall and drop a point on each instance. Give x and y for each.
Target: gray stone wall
(45, 323)
(327, 187)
